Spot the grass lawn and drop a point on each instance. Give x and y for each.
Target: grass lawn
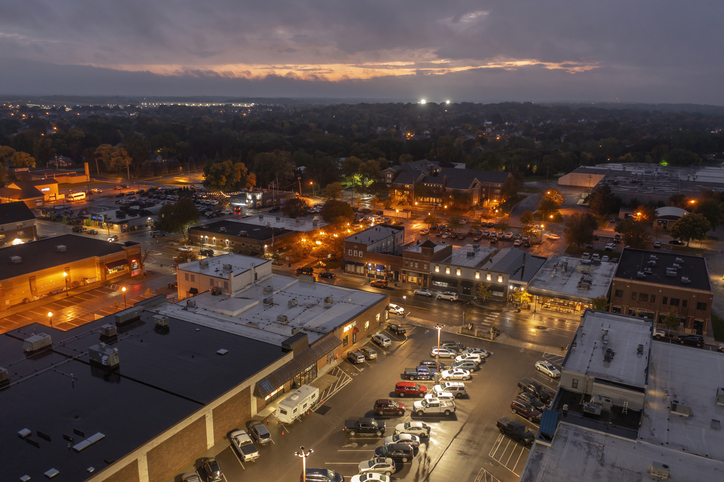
(718, 327)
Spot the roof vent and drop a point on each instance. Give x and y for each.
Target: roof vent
(190, 304)
(4, 376)
(61, 248)
(680, 408)
(226, 267)
(268, 301)
(641, 275)
(679, 260)
(652, 262)
(203, 263)
(292, 303)
(283, 319)
(471, 254)
(222, 229)
(160, 320)
(659, 470)
(16, 259)
(676, 265)
(671, 272)
(267, 290)
(243, 233)
(37, 342)
(103, 355)
(685, 280)
(328, 300)
(109, 330)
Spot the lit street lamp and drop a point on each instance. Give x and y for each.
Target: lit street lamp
(50, 317)
(439, 329)
(404, 310)
(65, 276)
(124, 297)
(304, 454)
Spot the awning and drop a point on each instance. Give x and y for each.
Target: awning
(349, 262)
(380, 266)
(299, 363)
(355, 330)
(193, 291)
(114, 264)
(359, 264)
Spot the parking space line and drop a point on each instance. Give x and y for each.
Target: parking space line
(355, 366)
(237, 458)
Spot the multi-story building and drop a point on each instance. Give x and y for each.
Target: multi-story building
(653, 284)
(417, 259)
(375, 252)
(17, 223)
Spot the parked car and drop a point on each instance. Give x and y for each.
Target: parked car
(396, 329)
(516, 430)
(439, 395)
(327, 274)
(397, 452)
(547, 368)
(381, 340)
(657, 244)
(432, 364)
(474, 357)
(258, 432)
(694, 340)
(321, 475)
(377, 465)
(244, 445)
(184, 249)
(453, 345)
(553, 237)
(190, 477)
(369, 353)
(525, 410)
(531, 399)
(476, 351)
(677, 242)
(378, 283)
(443, 352)
(403, 438)
(448, 295)
(456, 374)
(206, 252)
(387, 406)
(469, 365)
(212, 470)
(396, 309)
(403, 389)
(420, 429)
(423, 292)
(113, 239)
(355, 357)
(94, 232)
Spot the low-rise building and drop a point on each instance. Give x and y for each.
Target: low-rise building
(417, 260)
(17, 224)
(653, 284)
(375, 252)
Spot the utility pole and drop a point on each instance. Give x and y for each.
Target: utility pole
(299, 179)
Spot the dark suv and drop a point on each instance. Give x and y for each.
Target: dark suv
(212, 471)
(396, 452)
(516, 431)
(525, 410)
(531, 399)
(453, 345)
(385, 406)
(432, 364)
(397, 329)
(694, 340)
(321, 475)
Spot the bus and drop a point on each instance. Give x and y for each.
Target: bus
(76, 196)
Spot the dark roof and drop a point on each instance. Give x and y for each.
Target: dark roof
(162, 379)
(294, 367)
(693, 267)
(463, 178)
(28, 193)
(36, 182)
(42, 254)
(407, 177)
(233, 228)
(520, 265)
(428, 244)
(15, 212)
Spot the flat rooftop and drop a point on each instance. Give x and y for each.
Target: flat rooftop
(301, 302)
(470, 257)
(42, 254)
(634, 261)
(374, 234)
(520, 265)
(239, 264)
(231, 227)
(567, 277)
(162, 378)
(691, 376)
(579, 454)
(624, 334)
(281, 222)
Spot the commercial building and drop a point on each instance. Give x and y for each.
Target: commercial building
(417, 259)
(17, 224)
(653, 284)
(630, 408)
(227, 274)
(570, 285)
(176, 391)
(27, 192)
(261, 198)
(375, 252)
(38, 269)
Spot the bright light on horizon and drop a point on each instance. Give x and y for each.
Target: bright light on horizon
(423, 101)
(447, 101)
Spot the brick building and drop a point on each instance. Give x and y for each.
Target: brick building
(17, 224)
(375, 252)
(652, 284)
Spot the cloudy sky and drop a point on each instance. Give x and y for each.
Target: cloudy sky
(483, 50)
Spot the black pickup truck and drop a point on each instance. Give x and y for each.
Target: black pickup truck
(419, 373)
(364, 426)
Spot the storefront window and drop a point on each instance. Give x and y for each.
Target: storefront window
(367, 325)
(345, 341)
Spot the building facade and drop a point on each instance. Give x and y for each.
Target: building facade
(17, 224)
(375, 252)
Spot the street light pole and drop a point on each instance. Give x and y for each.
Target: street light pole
(124, 297)
(304, 454)
(65, 277)
(50, 317)
(404, 310)
(438, 328)
(299, 179)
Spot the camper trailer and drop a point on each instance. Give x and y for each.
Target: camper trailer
(297, 404)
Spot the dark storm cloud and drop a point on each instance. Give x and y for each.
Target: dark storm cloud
(646, 50)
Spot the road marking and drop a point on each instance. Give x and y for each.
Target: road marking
(342, 463)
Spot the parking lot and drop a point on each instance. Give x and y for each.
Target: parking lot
(464, 446)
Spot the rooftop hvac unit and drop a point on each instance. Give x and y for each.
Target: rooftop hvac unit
(592, 408)
(680, 408)
(127, 316)
(640, 275)
(679, 260)
(654, 257)
(471, 254)
(109, 330)
(659, 470)
(243, 233)
(671, 273)
(676, 265)
(268, 301)
(16, 259)
(4, 376)
(648, 271)
(61, 248)
(203, 263)
(328, 300)
(267, 290)
(103, 355)
(282, 319)
(222, 229)
(720, 396)
(685, 280)
(605, 402)
(190, 303)
(215, 291)
(652, 262)
(226, 267)
(37, 342)
(160, 320)
(292, 303)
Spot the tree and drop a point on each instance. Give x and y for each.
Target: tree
(503, 225)
(337, 212)
(405, 158)
(671, 320)
(600, 303)
(22, 159)
(579, 228)
(527, 217)
(270, 166)
(691, 226)
(454, 220)
(295, 208)
(228, 176)
(3, 174)
(370, 170)
(634, 233)
(511, 186)
(484, 291)
(185, 257)
(431, 220)
(114, 159)
(350, 166)
(333, 191)
(550, 201)
(522, 297)
(711, 209)
(603, 202)
(178, 217)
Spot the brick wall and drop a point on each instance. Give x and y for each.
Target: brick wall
(232, 414)
(129, 473)
(175, 452)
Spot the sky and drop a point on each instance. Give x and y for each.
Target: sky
(652, 51)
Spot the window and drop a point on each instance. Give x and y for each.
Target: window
(406, 263)
(674, 302)
(186, 276)
(701, 306)
(193, 278)
(684, 303)
(664, 300)
(643, 297)
(354, 338)
(574, 383)
(415, 264)
(350, 252)
(387, 315)
(211, 282)
(226, 285)
(653, 299)
(355, 252)
(425, 268)
(360, 253)
(377, 317)
(477, 275)
(487, 276)
(367, 324)
(437, 269)
(618, 294)
(344, 341)
(458, 271)
(633, 295)
(500, 278)
(447, 269)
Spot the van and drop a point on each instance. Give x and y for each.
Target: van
(355, 357)
(456, 388)
(382, 340)
(297, 404)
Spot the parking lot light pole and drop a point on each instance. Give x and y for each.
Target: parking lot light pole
(124, 297)
(50, 317)
(304, 454)
(404, 309)
(438, 328)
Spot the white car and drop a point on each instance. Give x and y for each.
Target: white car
(424, 292)
(547, 368)
(403, 438)
(440, 395)
(477, 358)
(424, 231)
(370, 477)
(444, 352)
(396, 309)
(414, 428)
(553, 236)
(184, 249)
(477, 351)
(456, 374)
(448, 295)
(377, 465)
